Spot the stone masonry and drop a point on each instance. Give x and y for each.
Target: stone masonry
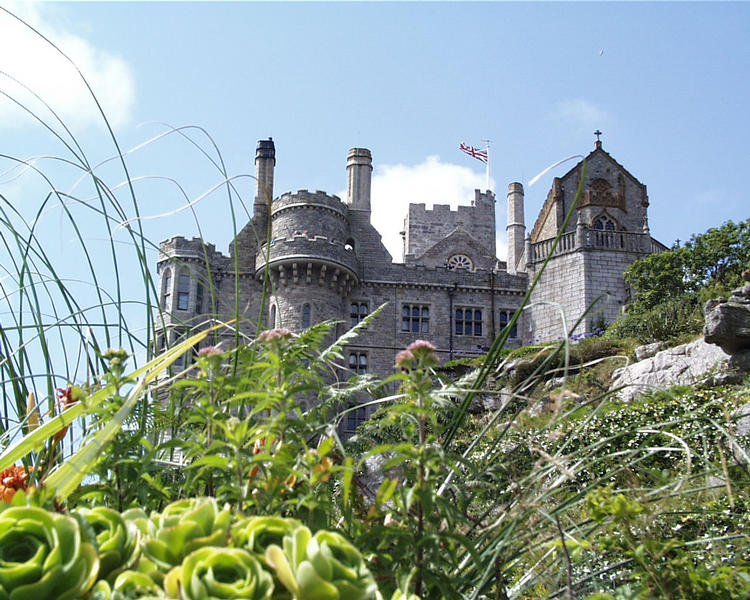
(322, 259)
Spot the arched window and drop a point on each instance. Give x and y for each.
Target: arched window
(358, 362)
(459, 261)
(357, 312)
(306, 315)
(166, 288)
(604, 224)
(183, 290)
(273, 315)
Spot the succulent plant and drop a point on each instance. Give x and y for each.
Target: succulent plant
(44, 555)
(219, 573)
(117, 540)
(185, 526)
(324, 566)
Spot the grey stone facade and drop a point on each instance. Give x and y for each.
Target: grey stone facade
(325, 260)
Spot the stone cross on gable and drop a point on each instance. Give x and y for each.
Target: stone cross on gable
(597, 133)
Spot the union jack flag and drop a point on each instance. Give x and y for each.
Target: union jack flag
(475, 152)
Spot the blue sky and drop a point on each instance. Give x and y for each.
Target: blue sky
(667, 83)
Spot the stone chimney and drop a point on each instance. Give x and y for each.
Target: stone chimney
(516, 228)
(265, 160)
(359, 177)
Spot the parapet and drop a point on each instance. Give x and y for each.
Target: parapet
(305, 198)
(180, 247)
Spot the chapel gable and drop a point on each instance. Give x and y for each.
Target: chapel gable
(458, 251)
(611, 194)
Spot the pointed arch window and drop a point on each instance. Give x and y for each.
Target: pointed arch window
(604, 223)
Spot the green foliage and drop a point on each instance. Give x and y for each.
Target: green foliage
(662, 568)
(714, 258)
(673, 320)
(671, 287)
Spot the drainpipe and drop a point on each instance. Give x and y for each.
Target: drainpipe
(451, 292)
(492, 307)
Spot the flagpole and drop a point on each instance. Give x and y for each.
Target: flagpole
(487, 148)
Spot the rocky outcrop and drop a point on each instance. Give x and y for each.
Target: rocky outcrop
(682, 365)
(728, 320)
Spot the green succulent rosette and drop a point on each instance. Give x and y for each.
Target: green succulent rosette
(129, 585)
(256, 534)
(324, 566)
(117, 540)
(219, 573)
(185, 526)
(44, 556)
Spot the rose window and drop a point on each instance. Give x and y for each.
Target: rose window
(459, 261)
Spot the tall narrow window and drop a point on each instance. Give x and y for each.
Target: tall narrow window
(273, 316)
(306, 316)
(468, 321)
(415, 318)
(199, 297)
(183, 291)
(357, 312)
(166, 288)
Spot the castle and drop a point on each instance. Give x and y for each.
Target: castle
(325, 260)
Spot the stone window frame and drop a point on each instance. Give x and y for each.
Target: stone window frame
(184, 282)
(358, 361)
(166, 288)
(357, 316)
(504, 317)
(306, 315)
(459, 261)
(471, 327)
(606, 222)
(421, 318)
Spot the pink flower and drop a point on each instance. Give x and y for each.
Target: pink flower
(418, 354)
(209, 352)
(274, 335)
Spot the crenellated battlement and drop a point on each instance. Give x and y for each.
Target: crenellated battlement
(181, 247)
(306, 199)
(424, 227)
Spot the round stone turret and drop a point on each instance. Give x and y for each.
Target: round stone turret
(311, 257)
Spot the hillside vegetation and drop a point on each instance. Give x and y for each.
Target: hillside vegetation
(519, 476)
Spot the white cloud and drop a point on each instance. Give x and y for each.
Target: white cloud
(582, 114)
(25, 56)
(394, 187)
